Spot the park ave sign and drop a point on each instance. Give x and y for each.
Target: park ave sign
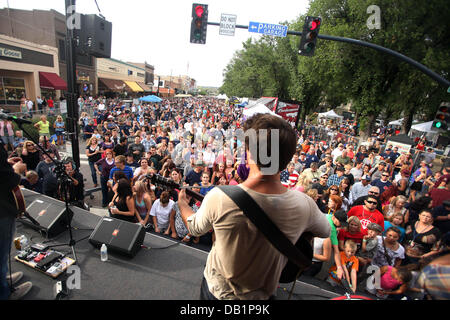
(8, 53)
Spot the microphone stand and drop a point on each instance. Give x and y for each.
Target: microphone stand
(64, 181)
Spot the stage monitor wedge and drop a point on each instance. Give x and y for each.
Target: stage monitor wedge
(51, 217)
(118, 235)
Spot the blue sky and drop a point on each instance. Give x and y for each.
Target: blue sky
(158, 31)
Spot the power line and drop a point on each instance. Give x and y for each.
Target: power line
(99, 11)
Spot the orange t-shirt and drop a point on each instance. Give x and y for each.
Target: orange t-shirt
(345, 261)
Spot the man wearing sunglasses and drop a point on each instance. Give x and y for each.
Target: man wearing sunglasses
(373, 191)
(383, 183)
(368, 213)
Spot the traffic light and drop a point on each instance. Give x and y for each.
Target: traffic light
(199, 23)
(442, 118)
(309, 36)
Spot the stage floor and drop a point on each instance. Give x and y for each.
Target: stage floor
(167, 270)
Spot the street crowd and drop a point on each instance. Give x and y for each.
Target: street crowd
(384, 210)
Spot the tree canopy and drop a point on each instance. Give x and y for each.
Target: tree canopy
(339, 73)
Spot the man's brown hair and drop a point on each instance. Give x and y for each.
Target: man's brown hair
(287, 138)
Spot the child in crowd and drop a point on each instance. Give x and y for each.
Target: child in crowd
(350, 264)
(206, 185)
(369, 243)
(395, 220)
(393, 281)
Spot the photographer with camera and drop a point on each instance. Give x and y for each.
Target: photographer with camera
(76, 186)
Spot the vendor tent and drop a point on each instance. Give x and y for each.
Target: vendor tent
(150, 98)
(423, 127)
(398, 122)
(331, 115)
(222, 97)
(426, 129)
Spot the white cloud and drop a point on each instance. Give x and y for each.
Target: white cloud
(158, 31)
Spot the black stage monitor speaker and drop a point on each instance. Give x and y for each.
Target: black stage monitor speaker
(118, 235)
(51, 217)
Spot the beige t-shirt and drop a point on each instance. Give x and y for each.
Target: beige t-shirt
(242, 263)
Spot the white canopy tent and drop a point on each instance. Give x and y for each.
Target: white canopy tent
(398, 122)
(222, 97)
(253, 109)
(424, 128)
(330, 115)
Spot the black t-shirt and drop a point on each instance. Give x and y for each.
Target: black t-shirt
(76, 193)
(320, 188)
(9, 181)
(31, 160)
(95, 157)
(136, 147)
(155, 159)
(418, 238)
(120, 149)
(351, 178)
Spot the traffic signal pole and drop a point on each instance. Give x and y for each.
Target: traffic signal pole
(393, 53)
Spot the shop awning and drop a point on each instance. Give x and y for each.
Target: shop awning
(51, 81)
(145, 87)
(134, 86)
(113, 85)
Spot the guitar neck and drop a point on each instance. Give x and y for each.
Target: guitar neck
(194, 194)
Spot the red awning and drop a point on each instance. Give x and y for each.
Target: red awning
(52, 81)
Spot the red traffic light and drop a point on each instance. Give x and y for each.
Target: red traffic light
(199, 11)
(314, 24)
(443, 109)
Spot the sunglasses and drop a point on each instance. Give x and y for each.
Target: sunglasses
(385, 175)
(334, 189)
(371, 202)
(372, 192)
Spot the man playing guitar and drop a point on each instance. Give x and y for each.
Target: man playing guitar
(9, 209)
(242, 263)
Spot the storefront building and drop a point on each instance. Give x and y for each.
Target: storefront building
(118, 78)
(27, 70)
(48, 27)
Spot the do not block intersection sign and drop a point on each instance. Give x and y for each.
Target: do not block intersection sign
(227, 24)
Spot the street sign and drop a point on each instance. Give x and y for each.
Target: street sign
(277, 30)
(227, 24)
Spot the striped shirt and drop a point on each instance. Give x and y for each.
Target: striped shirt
(127, 170)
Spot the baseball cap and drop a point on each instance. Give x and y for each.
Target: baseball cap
(199, 163)
(341, 215)
(366, 177)
(374, 226)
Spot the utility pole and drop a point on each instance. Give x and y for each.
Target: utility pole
(157, 93)
(72, 107)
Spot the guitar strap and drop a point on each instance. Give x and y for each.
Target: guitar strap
(260, 219)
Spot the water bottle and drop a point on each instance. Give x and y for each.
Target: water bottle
(104, 253)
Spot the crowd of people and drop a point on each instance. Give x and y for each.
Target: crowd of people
(383, 211)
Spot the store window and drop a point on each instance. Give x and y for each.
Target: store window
(11, 90)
